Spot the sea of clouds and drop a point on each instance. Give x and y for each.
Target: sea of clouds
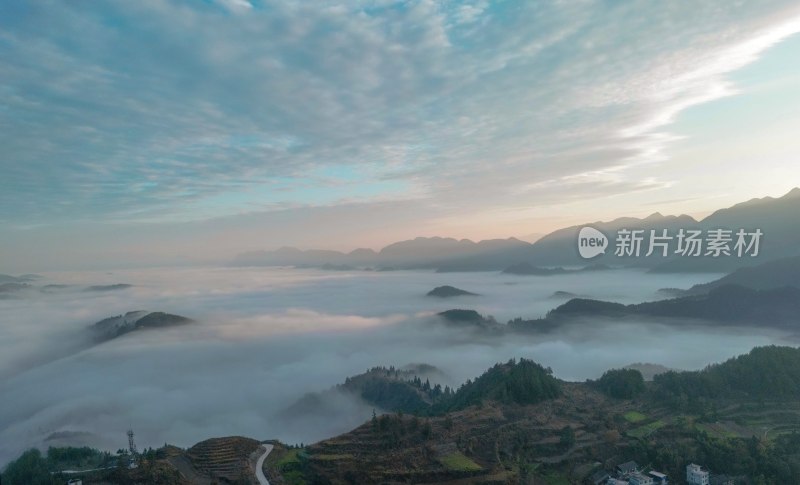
(264, 337)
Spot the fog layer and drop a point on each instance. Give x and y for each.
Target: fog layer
(264, 337)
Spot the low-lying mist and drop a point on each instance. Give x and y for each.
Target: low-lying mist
(265, 337)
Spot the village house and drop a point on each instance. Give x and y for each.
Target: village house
(627, 468)
(658, 478)
(696, 475)
(638, 478)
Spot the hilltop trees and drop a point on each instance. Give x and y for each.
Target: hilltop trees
(621, 383)
(765, 373)
(394, 390)
(523, 382)
(29, 469)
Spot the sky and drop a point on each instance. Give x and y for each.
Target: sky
(180, 132)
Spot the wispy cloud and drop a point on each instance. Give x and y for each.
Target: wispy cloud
(237, 4)
(174, 111)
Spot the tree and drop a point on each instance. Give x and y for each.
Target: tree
(621, 383)
(29, 469)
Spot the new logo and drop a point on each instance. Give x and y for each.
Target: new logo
(591, 242)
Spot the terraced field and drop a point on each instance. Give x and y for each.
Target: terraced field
(224, 459)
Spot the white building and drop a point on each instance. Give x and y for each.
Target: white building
(695, 475)
(637, 478)
(659, 478)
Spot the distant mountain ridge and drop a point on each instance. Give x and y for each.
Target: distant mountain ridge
(531, 270)
(769, 275)
(438, 253)
(777, 218)
(728, 304)
(19, 287)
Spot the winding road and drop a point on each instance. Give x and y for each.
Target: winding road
(260, 465)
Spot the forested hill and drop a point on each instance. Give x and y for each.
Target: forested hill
(401, 390)
(517, 422)
(771, 373)
(515, 382)
(408, 389)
